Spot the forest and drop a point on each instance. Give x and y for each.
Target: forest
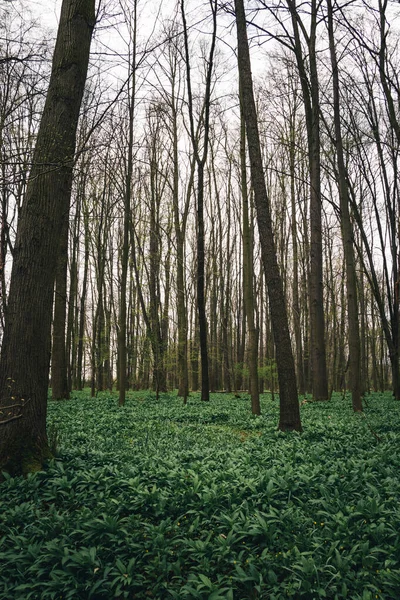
(199, 243)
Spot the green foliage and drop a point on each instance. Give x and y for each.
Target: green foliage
(269, 373)
(206, 501)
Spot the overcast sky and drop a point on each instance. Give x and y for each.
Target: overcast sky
(47, 11)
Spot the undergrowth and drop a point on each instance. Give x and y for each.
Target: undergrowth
(205, 501)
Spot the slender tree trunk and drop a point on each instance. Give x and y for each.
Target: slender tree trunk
(183, 371)
(155, 330)
(248, 272)
(289, 404)
(122, 337)
(260, 325)
(99, 341)
(295, 285)
(194, 350)
(310, 88)
(347, 232)
(201, 300)
(59, 379)
(201, 162)
(71, 347)
(82, 308)
(24, 362)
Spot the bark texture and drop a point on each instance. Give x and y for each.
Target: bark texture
(24, 362)
(289, 404)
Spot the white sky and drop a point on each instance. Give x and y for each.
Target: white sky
(47, 11)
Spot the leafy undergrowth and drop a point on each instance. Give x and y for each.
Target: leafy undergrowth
(160, 500)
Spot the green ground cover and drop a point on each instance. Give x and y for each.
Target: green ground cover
(160, 500)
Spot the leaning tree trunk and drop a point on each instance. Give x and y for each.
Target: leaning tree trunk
(24, 362)
(289, 404)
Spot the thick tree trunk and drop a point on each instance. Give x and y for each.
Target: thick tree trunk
(289, 404)
(24, 362)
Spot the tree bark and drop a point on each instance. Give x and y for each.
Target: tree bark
(122, 335)
(289, 405)
(347, 232)
(248, 272)
(295, 285)
(200, 162)
(24, 362)
(59, 380)
(80, 375)
(310, 89)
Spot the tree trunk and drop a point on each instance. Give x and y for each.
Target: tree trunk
(24, 362)
(347, 232)
(248, 272)
(59, 379)
(289, 404)
(201, 300)
(80, 375)
(200, 162)
(180, 227)
(295, 286)
(310, 89)
(122, 341)
(72, 316)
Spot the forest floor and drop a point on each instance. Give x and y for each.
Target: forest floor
(206, 501)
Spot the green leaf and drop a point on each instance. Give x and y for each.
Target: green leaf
(205, 580)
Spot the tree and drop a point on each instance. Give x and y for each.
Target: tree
(347, 229)
(59, 380)
(172, 94)
(24, 361)
(310, 88)
(289, 405)
(23, 72)
(131, 21)
(201, 159)
(248, 270)
(374, 188)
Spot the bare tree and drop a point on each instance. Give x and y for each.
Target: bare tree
(346, 227)
(200, 156)
(289, 404)
(24, 362)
